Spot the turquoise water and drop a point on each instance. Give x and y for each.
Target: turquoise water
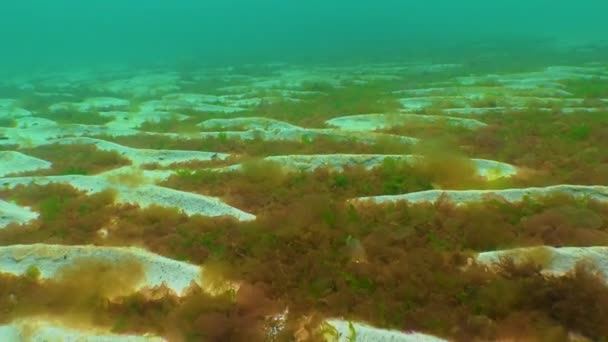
(359, 161)
(39, 33)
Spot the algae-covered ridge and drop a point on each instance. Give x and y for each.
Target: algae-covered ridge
(410, 201)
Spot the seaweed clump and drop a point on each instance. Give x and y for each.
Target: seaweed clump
(75, 159)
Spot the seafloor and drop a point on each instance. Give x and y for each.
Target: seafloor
(412, 201)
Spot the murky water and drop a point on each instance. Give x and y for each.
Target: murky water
(310, 171)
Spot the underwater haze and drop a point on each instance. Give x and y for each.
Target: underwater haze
(303, 170)
(39, 33)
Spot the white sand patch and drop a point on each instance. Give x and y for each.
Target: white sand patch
(135, 119)
(556, 261)
(334, 161)
(14, 112)
(256, 101)
(491, 169)
(190, 99)
(197, 102)
(144, 156)
(246, 92)
(309, 163)
(33, 329)
(486, 168)
(483, 110)
(582, 110)
(191, 204)
(244, 97)
(538, 101)
(548, 78)
(238, 91)
(92, 104)
(371, 122)
(53, 94)
(253, 102)
(7, 103)
(140, 193)
(247, 123)
(9, 109)
(351, 331)
(35, 136)
(498, 110)
(305, 134)
(12, 213)
(420, 103)
(15, 162)
(483, 91)
(365, 137)
(33, 122)
(287, 93)
(512, 195)
(168, 106)
(50, 259)
(354, 71)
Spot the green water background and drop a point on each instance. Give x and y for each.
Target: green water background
(64, 33)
